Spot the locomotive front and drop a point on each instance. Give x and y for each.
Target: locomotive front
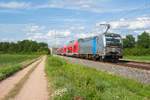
(113, 46)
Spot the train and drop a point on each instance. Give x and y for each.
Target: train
(105, 46)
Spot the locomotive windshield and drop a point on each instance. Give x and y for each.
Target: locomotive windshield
(113, 41)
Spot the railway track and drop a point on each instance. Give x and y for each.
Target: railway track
(134, 64)
(127, 63)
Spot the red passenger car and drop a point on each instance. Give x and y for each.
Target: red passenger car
(75, 48)
(65, 50)
(69, 50)
(72, 48)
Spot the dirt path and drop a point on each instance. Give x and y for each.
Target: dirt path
(7, 84)
(36, 86)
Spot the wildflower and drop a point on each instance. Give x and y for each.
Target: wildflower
(59, 92)
(49, 85)
(117, 97)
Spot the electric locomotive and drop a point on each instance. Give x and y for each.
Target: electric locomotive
(105, 46)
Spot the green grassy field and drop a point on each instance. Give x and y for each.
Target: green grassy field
(10, 64)
(137, 58)
(73, 82)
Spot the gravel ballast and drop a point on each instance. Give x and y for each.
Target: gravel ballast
(126, 72)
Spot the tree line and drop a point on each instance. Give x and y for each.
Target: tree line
(138, 47)
(24, 47)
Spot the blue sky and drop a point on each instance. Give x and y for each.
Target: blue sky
(43, 20)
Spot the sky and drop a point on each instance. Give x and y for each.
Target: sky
(58, 21)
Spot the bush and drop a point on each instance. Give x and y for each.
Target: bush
(136, 52)
(9, 70)
(9, 64)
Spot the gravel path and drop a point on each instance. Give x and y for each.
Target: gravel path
(36, 86)
(7, 84)
(133, 73)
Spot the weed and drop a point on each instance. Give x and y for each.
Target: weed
(89, 84)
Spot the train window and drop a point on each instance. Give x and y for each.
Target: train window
(75, 47)
(69, 51)
(113, 39)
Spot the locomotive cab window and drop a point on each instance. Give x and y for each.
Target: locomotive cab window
(113, 41)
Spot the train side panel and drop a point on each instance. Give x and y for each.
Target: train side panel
(101, 45)
(94, 46)
(86, 46)
(76, 48)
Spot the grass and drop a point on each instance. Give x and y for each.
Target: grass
(12, 93)
(8, 59)
(137, 58)
(9, 64)
(73, 82)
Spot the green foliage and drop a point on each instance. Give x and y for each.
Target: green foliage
(9, 59)
(139, 48)
(144, 40)
(137, 58)
(9, 64)
(24, 47)
(9, 70)
(136, 52)
(90, 84)
(129, 41)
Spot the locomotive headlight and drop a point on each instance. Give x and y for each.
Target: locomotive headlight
(113, 49)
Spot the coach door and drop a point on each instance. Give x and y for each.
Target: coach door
(100, 45)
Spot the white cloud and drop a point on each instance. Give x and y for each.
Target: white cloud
(52, 34)
(129, 26)
(34, 29)
(147, 31)
(132, 24)
(7, 40)
(36, 36)
(58, 33)
(77, 28)
(84, 35)
(69, 4)
(54, 37)
(138, 23)
(84, 5)
(141, 31)
(14, 4)
(119, 24)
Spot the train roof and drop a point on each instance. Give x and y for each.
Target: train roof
(112, 35)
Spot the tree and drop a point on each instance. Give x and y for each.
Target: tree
(12, 47)
(33, 47)
(129, 41)
(143, 40)
(25, 46)
(4, 47)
